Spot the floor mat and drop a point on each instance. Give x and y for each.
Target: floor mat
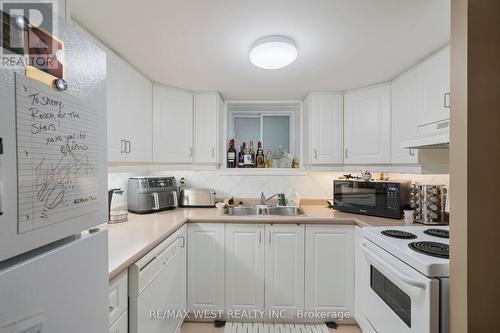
(233, 327)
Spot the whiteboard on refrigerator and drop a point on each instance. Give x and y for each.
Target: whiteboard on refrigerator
(58, 147)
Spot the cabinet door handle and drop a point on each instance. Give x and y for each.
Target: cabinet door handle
(410, 151)
(129, 146)
(260, 237)
(213, 152)
(269, 237)
(122, 146)
(345, 153)
(111, 308)
(315, 154)
(191, 152)
(446, 102)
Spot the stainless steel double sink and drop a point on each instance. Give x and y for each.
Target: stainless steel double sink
(263, 211)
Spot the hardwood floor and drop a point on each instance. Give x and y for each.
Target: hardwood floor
(209, 328)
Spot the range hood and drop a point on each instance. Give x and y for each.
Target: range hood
(434, 136)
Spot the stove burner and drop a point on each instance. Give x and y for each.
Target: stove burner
(439, 250)
(437, 233)
(399, 234)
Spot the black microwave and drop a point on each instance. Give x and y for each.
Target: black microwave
(377, 198)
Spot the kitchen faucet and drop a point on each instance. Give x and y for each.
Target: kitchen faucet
(281, 198)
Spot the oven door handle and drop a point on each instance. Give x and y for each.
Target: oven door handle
(377, 260)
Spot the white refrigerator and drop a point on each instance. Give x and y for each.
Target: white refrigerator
(53, 181)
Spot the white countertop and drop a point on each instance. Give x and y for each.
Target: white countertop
(130, 240)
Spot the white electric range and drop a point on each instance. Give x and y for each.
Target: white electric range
(403, 282)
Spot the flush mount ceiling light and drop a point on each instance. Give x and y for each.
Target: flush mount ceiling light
(273, 52)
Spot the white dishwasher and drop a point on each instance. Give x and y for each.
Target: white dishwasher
(157, 287)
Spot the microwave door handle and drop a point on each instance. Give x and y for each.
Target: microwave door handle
(157, 202)
(377, 260)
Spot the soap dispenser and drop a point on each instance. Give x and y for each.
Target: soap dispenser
(294, 199)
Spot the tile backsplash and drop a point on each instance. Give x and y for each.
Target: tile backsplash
(313, 185)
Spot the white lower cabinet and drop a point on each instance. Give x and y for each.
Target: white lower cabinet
(284, 281)
(278, 268)
(118, 303)
(329, 268)
(245, 266)
(206, 267)
(121, 325)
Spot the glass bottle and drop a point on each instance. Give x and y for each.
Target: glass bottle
(260, 159)
(231, 155)
(269, 160)
(241, 157)
(252, 155)
(247, 158)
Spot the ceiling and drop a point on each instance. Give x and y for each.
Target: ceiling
(202, 45)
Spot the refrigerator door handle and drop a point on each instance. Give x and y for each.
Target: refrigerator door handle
(1, 153)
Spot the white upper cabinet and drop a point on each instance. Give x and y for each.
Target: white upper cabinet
(329, 268)
(129, 112)
(206, 129)
(244, 266)
(404, 117)
(367, 119)
(284, 268)
(433, 77)
(172, 125)
(323, 128)
(206, 256)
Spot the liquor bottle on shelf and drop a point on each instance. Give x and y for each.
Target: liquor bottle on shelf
(241, 157)
(231, 155)
(247, 158)
(269, 160)
(252, 155)
(260, 159)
